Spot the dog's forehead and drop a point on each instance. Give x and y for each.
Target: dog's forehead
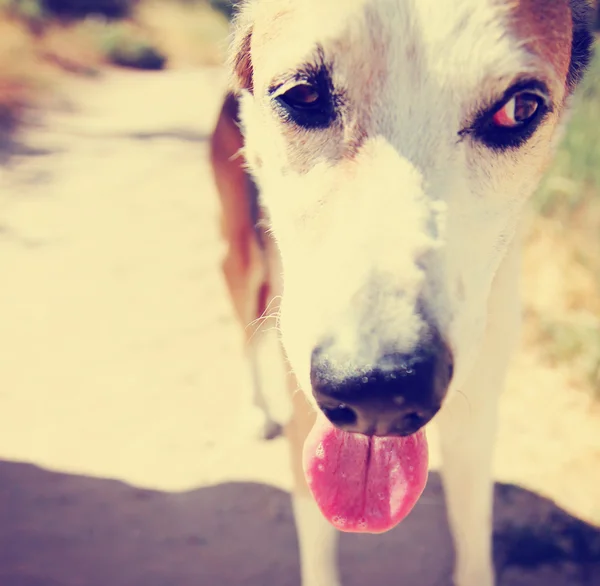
(546, 29)
(474, 38)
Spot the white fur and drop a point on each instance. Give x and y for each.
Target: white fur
(348, 231)
(318, 541)
(415, 215)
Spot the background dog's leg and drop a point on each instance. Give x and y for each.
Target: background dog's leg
(259, 421)
(265, 407)
(317, 538)
(265, 367)
(244, 265)
(271, 405)
(468, 430)
(265, 353)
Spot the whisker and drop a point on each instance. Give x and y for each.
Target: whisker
(264, 316)
(466, 400)
(275, 327)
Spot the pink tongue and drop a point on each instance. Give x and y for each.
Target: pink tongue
(364, 484)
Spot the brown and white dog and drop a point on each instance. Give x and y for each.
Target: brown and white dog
(393, 145)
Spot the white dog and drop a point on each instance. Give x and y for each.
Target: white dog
(393, 145)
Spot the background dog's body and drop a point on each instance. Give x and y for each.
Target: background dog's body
(481, 337)
(250, 268)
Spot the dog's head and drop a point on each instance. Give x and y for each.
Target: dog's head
(394, 143)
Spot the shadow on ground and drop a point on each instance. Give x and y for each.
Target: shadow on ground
(11, 146)
(66, 530)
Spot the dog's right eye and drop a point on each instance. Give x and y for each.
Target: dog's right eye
(308, 104)
(301, 96)
(514, 119)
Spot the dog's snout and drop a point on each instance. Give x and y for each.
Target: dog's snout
(394, 397)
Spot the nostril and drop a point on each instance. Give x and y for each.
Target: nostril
(414, 418)
(411, 422)
(341, 415)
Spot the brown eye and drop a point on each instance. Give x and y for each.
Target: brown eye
(310, 103)
(518, 111)
(302, 95)
(514, 119)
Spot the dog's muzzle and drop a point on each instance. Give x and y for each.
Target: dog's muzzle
(396, 396)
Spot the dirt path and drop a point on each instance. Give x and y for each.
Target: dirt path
(120, 363)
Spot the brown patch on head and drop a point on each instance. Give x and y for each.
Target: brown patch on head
(546, 29)
(559, 32)
(240, 61)
(242, 65)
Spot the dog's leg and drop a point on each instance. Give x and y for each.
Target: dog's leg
(269, 368)
(271, 408)
(467, 432)
(265, 369)
(467, 436)
(317, 538)
(259, 420)
(245, 267)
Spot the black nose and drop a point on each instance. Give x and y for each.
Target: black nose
(396, 396)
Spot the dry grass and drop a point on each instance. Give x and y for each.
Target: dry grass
(90, 44)
(190, 33)
(31, 65)
(32, 58)
(562, 300)
(562, 261)
(73, 47)
(22, 76)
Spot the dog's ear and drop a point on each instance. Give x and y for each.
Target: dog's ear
(240, 59)
(581, 49)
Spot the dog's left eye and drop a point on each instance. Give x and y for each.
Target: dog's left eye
(514, 119)
(301, 96)
(518, 111)
(307, 104)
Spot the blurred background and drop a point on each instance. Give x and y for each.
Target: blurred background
(121, 461)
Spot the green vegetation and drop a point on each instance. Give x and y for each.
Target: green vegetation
(575, 175)
(567, 225)
(121, 43)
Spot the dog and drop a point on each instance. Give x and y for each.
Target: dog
(373, 159)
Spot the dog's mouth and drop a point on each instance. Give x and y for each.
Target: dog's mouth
(366, 458)
(365, 484)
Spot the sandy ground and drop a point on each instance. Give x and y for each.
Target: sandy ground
(120, 368)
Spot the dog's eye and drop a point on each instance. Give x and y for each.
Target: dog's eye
(308, 104)
(301, 96)
(518, 111)
(513, 120)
